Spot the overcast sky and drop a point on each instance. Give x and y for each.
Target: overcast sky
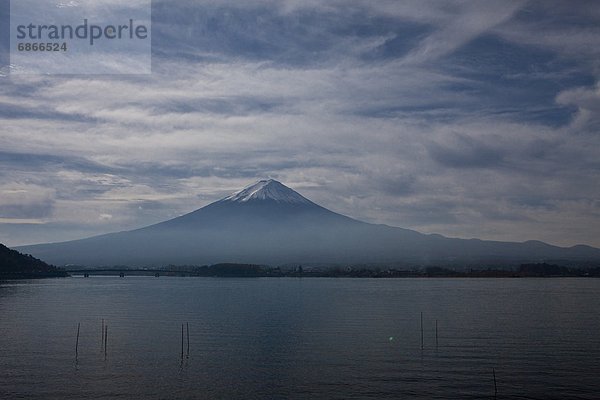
(465, 118)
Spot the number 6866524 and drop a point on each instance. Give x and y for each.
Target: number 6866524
(42, 46)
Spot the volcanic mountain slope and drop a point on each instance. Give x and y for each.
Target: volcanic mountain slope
(269, 223)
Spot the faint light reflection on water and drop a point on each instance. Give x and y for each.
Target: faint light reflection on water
(300, 338)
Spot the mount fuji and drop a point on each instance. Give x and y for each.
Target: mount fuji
(269, 223)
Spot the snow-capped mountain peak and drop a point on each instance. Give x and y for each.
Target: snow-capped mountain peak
(268, 189)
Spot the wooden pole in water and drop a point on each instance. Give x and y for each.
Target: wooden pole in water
(421, 330)
(102, 332)
(182, 341)
(188, 338)
(495, 387)
(105, 339)
(77, 342)
(436, 333)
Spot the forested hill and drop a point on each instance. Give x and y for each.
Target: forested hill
(16, 265)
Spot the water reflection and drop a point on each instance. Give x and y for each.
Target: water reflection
(299, 338)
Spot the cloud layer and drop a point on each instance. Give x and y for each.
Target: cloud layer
(470, 119)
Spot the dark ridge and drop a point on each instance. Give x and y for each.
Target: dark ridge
(14, 265)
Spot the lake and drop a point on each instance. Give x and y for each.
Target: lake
(300, 338)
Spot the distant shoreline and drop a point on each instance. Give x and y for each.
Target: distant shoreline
(256, 271)
(182, 275)
(231, 270)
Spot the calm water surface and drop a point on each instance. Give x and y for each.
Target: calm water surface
(300, 338)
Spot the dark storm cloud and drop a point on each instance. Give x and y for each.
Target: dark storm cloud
(36, 162)
(466, 152)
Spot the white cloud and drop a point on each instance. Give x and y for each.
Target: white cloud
(463, 22)
(587, 102)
